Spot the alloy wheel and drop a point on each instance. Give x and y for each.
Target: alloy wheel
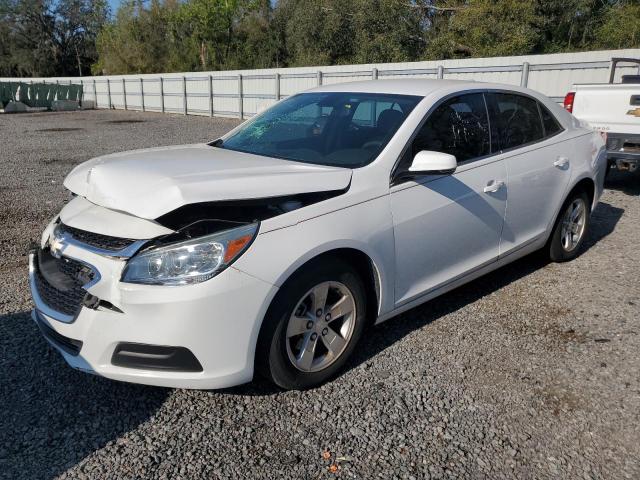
(573, 224)
(321, 326)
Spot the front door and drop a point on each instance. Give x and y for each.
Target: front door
(447, 226)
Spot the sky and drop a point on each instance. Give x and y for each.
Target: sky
(114, 5)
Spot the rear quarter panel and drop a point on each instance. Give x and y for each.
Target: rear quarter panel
(588, 161)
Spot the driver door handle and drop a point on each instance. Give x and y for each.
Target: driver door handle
(493, 186)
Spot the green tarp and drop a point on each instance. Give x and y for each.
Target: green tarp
(38, 94)
(8, 92)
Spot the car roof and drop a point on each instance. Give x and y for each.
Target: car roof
(426, 87)
(413, 86)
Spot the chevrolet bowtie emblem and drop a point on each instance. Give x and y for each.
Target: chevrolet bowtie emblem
(56, 243)
(635, 112)
(55, 247)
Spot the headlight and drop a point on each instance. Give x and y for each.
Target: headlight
(192, 261)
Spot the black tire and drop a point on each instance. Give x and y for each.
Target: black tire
(272, 357)
(556, 251)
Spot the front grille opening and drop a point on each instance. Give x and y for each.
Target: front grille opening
(59, 282)
(97, 240)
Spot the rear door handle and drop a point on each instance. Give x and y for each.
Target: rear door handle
(493, 186)
(561, 162)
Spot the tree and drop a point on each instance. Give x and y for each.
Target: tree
(136, 41)
(63, 37)
(30, 30)
(317, 32)
(205, 27)
(462, 28)
(388, 31)
(76, 26)
(7, 62)
(620, 27)
(46, 38)
(482, 28)
(332, 32)
(567, 25)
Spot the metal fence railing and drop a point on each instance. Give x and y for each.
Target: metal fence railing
(244, 93)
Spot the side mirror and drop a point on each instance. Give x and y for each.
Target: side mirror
(427, 162)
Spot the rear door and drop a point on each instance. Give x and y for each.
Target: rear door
(447, 226)
(538, 165)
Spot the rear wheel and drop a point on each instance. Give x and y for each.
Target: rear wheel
(313, 325)
(571, 228)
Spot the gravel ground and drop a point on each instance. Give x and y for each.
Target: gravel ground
(530, 372)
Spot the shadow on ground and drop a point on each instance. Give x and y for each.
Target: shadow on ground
(624, 182)
(53, 416)
(604, 220)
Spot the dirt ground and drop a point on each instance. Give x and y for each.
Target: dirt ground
(529, 372)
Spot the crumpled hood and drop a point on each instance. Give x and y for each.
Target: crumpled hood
(149, 183)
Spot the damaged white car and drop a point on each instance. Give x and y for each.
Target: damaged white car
(274, 248)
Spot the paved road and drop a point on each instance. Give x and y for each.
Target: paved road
(530, 372)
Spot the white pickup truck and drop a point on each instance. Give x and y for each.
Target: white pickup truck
(614, 110)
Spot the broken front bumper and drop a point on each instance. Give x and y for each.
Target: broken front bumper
(192, 336)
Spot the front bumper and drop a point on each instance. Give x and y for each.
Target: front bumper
(217, 321)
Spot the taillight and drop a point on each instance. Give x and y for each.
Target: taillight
(568, 101)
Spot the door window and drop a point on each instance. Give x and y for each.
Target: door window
(515, 120)
(459, 126)
(368, 113)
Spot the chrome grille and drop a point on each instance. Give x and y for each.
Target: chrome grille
(98, 240)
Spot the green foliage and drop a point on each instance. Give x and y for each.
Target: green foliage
(478, 28)
(135, 42)
(332, 32)
(49, 38)
(388, 31)
(621, 26)
(485, 28)
(187, 36)
(318, 33)
(255, 44)
(206, 27)
(62, 37)
(567, 25)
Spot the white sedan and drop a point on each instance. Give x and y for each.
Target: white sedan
(274, 247)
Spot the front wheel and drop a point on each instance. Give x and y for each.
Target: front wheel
(570, 229)
(313, 325)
